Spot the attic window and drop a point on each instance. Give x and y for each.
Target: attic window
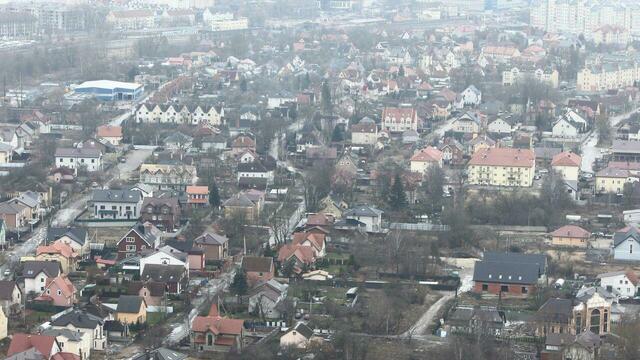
(499, 276)
(509, 277)
(519, 277)
(490, 276)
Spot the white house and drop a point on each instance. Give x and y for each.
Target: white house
(163, 257)
(297, 338)
(500, 126)
(364, 133)
(116, 204)
(563, 128)
(76, 158)
(72, 342)
(621, 283)
(626, 244)
(80, 321)
(265, 297)
(468, 123)
(176, 114)
(36, 273)
(399, 119)
(471, 96)
(423, 159)
(368, 216)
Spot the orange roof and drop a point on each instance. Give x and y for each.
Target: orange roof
(63, 283)
(217, 324)
(503, 157)
(571, 231)
(24, 342)
(397, 114)
(566, 158)
(198, 190)
(317, 240)
(428, 154)
(58, 247)
(109, 131)
(304, 253)
(243, 141)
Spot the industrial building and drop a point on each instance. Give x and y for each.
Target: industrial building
(107, 90)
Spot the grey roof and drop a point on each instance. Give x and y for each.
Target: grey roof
(129, 303)
(32, 268)
(6, 289)
(211, 239)
(557, 339)
(505, 272)
(239, 200)
(586, 293)
(555, 310)
(621, 236)
(79, 319)
(77, 234)
(146, 233)
(251, 167)
(363, 210)
(70, 335)
(160, 354)
(539, 259)
(116, 196)
(163, 273)
(626, 146)
(86, 152)
(5, 147)
(30, 354)
(304, 330)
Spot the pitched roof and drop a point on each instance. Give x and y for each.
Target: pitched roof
(217, 324)
(77, 234)
(503, 157)
(109, 131)
(239, 200)
(211, 239)
(6, 289)
(428, 154)
(397, 114)
(303, 330)
(540, 260)
(363, 210)
(555, 310)
(129, 303)
(625, 233)
(304, 253)
(160, 354)
(200, 190)
(77, 318)
(56, 248)
(628, 273)
(505, 272)
(571, 231)
(163, 273)
(30, 269)
(155, 288)
(21, 342)
(117, 196)
(63, 283)
(257, 264)
(317, 240)
(566, 158)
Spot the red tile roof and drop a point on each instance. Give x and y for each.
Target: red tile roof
(217, 324)
(57, 247)
(566, 158)
(316, 239)
(503, 157)
(428, 154)
(571, 231)
(109, 131)
(22, 342)
(304, 253)
(397, 114)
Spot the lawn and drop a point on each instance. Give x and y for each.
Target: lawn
(156, 318)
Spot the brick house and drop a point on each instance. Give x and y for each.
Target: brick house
(138, 238)
(508, 274)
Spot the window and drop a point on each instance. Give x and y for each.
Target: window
(485, 287)
(41, 280)
(504, 288)
(595, 321)
(630, 248)
(525, 290)
(59, 292)
(605, 320)
(131, 248)
(130, 239)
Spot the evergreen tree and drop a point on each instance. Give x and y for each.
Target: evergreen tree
(397, 196)
(401, 71)
(327, 104)
(243, 85)
(214, 195)
(239, 285)
(338, 134)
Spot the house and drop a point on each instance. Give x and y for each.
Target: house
(175, 277)
(197, 196)
(152, 292)
(131, 309)
(500, 126)
(300, 337)
(570, 236)
(168, 177)
(216, 333)
(626, 244)
(80, 321)
(70, 342)
(241, 205)
(59, 291)
(567, 164)
(333, 205)
(508, 274)
(452, 151)
(423, 159)
(116, 204)
(585, 345)
(140, 237)
(565, 128)
(75, 237)
(86, 158)
(254, 171)
(302, 256)
(32, 200)
(555, 316)
(613, 178)
(15, 216)
(164, 257)
(265, 299)
(112, 134)
(410, 137)
(258, 269)
(6, 153)
(59, 252)
(214, 246)
(364, 133)
(368, 216)
(11, 297)
(399, 119)
(475, 320)
(131, 19)
(46, 346)
(502, 167)
(163, 212)
(480, 142)
(317, 241)
(242, 143)
(4, 325)
(178, 141)
(37, 273)
(621, 283)
(470, 96)
(467, 123)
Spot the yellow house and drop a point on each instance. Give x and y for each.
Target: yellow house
(131, 309)
(502, 167)
(570, 236)
(567, 164)
(60, 252)
(611, 180)
(4, 324)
